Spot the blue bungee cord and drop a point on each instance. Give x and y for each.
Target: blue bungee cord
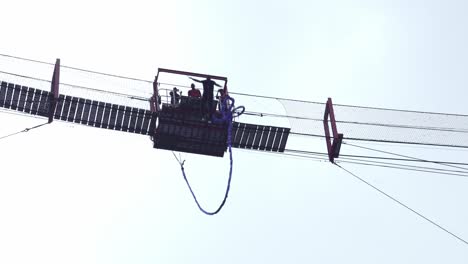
(228, 112)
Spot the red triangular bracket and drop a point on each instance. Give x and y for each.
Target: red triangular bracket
(333, 146)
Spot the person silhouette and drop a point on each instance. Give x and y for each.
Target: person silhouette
(194, 92)
(175, 96)
(207, 97)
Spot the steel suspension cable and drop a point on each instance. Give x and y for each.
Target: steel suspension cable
(75, 68)
(428, 170)
(404, 205)
(375, 157)
(244, 94)
(406, 156)
(323, 157)
(129, 96)
(23, 131)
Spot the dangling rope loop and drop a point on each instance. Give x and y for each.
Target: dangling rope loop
(227, 111)
(236, 112)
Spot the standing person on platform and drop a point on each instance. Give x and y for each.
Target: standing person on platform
(207, 98)
(194, 92)
(175, 96)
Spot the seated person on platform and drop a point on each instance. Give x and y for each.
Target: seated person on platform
(175, 96)
(194, 92)
(220, 94)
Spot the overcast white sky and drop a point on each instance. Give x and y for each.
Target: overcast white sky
(73, 194)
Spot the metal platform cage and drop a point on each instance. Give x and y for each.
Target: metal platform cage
(167, 80)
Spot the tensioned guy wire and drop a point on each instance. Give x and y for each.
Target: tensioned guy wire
(375, 157)
(404, 205)
(75, 68)
(323, 157)
(23, 131)
(129, 96)
(244, 94)
(405, 156)
(406, 168)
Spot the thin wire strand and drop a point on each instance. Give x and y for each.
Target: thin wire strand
(309, 155)
(92, 103)
(404, 205)
(407, 143)
(26, 59)
(296, 156)
(244, 94)
(373, 157)
(77, 69)
(129, 96)
(320, 103)
(406, 156)
(343, 155)
(23, 131)
(286, 116)
(323, 157)
(262, 114)
(413, 146)
(383, 141)
(277, 98)
(405, 165)
(402, 168)
(10, 112)
(403, 110)
(25, 76)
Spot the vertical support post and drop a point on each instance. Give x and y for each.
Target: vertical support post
(154, 102)
(332, 118)
(54, 90)
(154, 106)
(327, 130)
(333, 146)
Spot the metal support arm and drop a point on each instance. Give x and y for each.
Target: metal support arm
(333, 146)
